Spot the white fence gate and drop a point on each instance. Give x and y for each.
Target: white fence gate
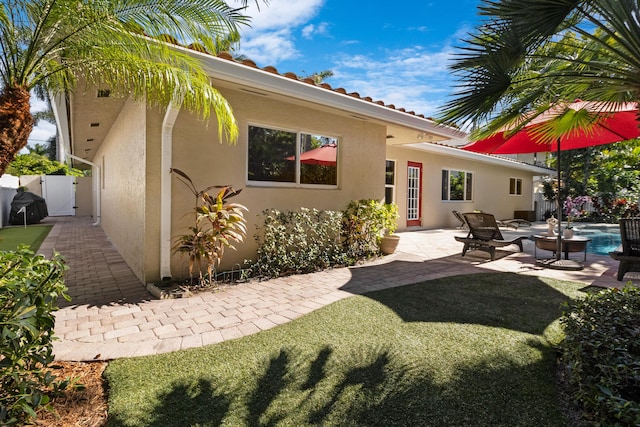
(60, 194)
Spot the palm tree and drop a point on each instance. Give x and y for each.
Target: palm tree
(58, 45)
(527, 55)
(320, 76)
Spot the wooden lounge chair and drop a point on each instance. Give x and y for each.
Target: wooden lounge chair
(628, 253)
(484, 234)
(513, 223)
(459, 217)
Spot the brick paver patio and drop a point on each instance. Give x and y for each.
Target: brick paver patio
(111, 315)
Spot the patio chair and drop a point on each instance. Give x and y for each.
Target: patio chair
(484, 234)
(628, 253)
(509, 223)
(513, 223)
(459, 217)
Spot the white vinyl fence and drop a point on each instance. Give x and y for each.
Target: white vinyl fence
(8, 188)
(545, 206)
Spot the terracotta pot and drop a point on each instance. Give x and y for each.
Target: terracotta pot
(389, 243)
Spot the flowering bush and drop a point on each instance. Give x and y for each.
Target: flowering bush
(574, 208)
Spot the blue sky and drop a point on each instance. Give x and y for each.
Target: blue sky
(394, 52)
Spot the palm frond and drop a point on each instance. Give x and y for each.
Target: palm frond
(528, 54)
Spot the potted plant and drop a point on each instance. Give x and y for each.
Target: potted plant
(389, 241)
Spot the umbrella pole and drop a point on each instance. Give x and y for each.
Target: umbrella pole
(558, 211)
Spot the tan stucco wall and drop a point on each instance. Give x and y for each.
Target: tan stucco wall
(197, 151)
(121, 158)
(490, 187)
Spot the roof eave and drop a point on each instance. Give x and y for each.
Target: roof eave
(479, 157)
(238, 73)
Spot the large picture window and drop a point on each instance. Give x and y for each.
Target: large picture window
(457, 185)
(284, 156)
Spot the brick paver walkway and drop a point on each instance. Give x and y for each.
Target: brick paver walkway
(111, 314)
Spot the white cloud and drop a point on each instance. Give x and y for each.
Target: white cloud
(37, 104)
(311, 30)
(412, 78)
(270, 38)
(281, 14)
(270, 48)
(42, 132)
(307, 31)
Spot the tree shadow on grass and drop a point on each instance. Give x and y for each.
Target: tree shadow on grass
(371, 387)
(506, 300)
(390, 384)
(268, 387)
(488, 393)
(186, 404)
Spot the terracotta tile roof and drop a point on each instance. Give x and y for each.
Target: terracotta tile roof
(271, 69)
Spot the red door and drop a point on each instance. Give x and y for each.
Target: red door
(414, 194)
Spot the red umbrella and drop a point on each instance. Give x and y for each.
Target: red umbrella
(324, 155)
(607, 123)
(610, 122)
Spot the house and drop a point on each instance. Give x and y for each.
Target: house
(381, 152)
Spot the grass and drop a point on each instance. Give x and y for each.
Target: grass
(33, 236)
(471, 350)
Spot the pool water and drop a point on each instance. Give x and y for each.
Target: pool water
(601, 242)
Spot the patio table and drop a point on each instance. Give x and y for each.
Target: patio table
(549, 243)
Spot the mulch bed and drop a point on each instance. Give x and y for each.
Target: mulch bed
(85, 407)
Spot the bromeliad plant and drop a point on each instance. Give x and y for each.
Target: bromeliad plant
(574, 208)
(217, 224)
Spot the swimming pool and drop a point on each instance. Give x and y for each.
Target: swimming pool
(604, 239)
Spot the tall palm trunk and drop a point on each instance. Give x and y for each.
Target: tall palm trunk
(16, 123)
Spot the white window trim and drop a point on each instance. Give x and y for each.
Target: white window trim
(465, 185)
(516, 193)
(395, 177)
(297, 184)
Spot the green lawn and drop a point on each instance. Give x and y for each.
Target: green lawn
(468, 350)
(33, 235)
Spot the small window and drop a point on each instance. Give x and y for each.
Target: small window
(515, 186)
(284, 156)
(457, 185)
(390, 181)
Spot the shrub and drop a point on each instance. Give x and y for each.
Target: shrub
(297, 242)
(217, 223)
(601, 353)
(311, 240)
(363, 223)
(29, 289)
(33, 164)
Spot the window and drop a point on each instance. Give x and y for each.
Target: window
(289, 157)
(515, 186)
(457, 185)
(414, 193)
(390, 181)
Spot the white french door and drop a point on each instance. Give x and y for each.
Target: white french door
(414, 194)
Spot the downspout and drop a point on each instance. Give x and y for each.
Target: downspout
(95, 181)
(165, 188)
